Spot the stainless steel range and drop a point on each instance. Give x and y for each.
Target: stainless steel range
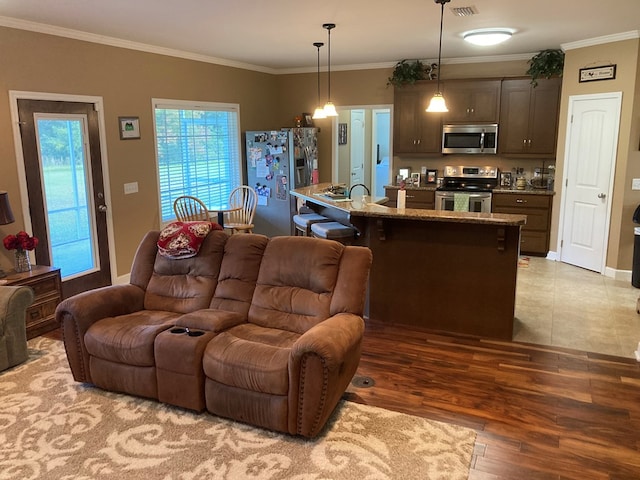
(466, 188)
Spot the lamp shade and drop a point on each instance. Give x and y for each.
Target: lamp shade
(437, 104)
(330, 110)
(6, 215)
(318, 113)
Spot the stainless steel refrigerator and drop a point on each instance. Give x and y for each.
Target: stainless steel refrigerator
(278, 161)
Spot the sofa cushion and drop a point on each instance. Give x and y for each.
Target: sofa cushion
(187, 284)
(296, 282)
(239, 273)
(251, 357)
(128, 338)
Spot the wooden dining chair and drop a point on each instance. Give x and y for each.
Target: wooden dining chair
(241, 220)
(189, 209)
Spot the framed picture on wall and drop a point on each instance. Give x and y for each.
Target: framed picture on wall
(129, 128)
(432, 176)
(342, 134)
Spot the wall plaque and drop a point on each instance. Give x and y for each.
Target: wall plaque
(591, 74)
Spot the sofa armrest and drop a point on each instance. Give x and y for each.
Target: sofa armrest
(76, 314)
(331, 339)
(322, 363)
(14, 302)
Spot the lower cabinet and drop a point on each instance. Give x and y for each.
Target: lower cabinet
(534, 236)
(425, 199)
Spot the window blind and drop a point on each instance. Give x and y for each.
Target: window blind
(197, 151)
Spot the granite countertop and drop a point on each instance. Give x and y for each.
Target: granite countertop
(371, 207)
(527, 191)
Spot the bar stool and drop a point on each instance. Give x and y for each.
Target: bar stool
(333, 231)
(303, 222)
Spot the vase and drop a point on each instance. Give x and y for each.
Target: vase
(23, 263)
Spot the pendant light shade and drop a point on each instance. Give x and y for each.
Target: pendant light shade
(329, 107)
(437, 104)
(319, 111)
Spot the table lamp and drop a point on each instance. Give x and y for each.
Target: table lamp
(6, 216)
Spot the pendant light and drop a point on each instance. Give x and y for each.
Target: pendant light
(437, 104)
(319, 111)
(329, 107)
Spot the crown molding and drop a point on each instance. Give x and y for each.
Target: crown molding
(117, 42)
(143, 47)
(618, 37)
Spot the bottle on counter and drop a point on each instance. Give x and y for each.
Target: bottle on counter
(402, 195)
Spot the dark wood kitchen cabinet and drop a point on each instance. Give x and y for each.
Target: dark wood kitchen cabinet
(529, 118)
(415, 131)
(425, 199)
(471, 101)
(534, 236)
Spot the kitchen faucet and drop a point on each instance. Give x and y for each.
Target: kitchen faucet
(359, 185)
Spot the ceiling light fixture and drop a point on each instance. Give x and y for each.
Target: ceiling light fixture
(319, 111)
(329, 107)
(487, 36)
(437, 103)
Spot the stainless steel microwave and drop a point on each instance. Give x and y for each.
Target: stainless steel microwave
(470, 139)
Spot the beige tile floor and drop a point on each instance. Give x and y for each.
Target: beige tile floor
(562, 305)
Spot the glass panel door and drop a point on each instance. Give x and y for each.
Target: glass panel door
(66, 173)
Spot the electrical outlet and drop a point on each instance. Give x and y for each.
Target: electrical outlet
(130, 188)
(635, 184)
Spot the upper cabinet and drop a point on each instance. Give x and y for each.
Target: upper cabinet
(414, 130)
(471, 101)
(529, 117)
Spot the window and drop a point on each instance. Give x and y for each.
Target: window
(197, 152)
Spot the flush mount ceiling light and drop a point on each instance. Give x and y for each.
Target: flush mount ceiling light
(487, 36)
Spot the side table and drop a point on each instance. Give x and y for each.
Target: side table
(47, 287)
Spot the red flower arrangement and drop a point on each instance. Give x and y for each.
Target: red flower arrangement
(21, 241)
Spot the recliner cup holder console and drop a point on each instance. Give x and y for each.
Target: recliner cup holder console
(191, 333)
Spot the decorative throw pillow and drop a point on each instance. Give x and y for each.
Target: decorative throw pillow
(183, 239)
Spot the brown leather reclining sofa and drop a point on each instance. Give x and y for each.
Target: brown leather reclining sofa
(264, 331)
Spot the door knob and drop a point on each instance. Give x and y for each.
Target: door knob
(102, 208)
(602, 195)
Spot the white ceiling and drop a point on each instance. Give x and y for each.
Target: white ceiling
(277, 36)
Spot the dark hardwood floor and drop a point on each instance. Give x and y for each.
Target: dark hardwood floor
(540, 412)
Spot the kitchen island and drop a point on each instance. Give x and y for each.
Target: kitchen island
(442, 270)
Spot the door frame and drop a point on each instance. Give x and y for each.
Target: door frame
(335, 155)
(14, 96)
(571, 104)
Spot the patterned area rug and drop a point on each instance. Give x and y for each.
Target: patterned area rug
(54, 428)
(523, 262)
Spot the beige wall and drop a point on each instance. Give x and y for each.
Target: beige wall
(127, 80)
(625, 55)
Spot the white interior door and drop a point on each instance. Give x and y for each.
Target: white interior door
(357, 142)
(588, 179)
(380, 149)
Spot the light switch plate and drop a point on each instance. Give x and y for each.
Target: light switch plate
(130, 188)
(635, 184)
